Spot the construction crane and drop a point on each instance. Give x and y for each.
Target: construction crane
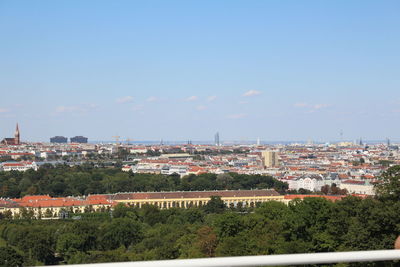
(117, 139)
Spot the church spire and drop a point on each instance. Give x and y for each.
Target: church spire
(17, 136)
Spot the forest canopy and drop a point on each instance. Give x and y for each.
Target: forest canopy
(133, 234)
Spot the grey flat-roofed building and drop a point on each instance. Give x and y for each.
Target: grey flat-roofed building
(79, 139)
(59, 139)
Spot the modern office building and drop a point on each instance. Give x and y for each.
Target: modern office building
(59, 139)
(270, 159)
(79, 139)
(216, 139)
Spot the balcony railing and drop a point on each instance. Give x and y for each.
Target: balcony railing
(270, 260)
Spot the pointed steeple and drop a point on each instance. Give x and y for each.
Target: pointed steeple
(17, 136)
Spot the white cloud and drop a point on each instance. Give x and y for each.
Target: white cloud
(312, 107)
(320, 106)
(192, 98)
(3, 110)
(65, 109)
(152, 99)
(237, 116)
(201, 107)
(252, 93)
(211, 98)
(301, 105)
(76, 109)
(125, 99)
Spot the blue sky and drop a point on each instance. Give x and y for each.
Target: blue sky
(179, 70)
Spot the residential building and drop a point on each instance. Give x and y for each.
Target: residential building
(19, 166)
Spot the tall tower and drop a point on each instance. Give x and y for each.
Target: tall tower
(17, 139)
(216, 139)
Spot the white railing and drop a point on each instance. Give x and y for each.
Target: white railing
(270, 260)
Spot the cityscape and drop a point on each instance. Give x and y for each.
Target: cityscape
(348, 168)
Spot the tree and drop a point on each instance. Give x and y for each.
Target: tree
(389, 184)
(40, 244)
(215, 205)
(48, 213)
(206, 241)
(8, 215)
(273, 210)
(121, 232)
(233, 246)
(86, 231)
(304, 191)
(224, 180)
(122, 210)
(325, 189)
(151, 214)
(26, 214)
(10, 257)
(69, 243)
(228, 224)
(308, 220)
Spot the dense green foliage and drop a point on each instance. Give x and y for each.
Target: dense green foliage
(130, 234)
(389, 188)
(83, 180)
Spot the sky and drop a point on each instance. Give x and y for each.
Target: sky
(184, 70)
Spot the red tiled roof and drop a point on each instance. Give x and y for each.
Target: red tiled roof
(332, 198)
(34, 198)
(13, 164)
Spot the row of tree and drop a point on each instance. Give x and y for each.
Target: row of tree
(83, 180)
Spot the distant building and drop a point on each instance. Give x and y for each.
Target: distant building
(216, 139)
(79, 139)
(312, 183)
(19, 166)
(59, 139)
(12, 141)
(358, 187)
(166, 200)
(270, 159)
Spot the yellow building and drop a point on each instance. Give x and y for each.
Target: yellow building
(166, 200)
(46, 207)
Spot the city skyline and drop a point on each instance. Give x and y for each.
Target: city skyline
(216, 141)
(184, 71)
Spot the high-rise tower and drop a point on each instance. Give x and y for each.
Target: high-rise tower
(216, 139)
(17, 139)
